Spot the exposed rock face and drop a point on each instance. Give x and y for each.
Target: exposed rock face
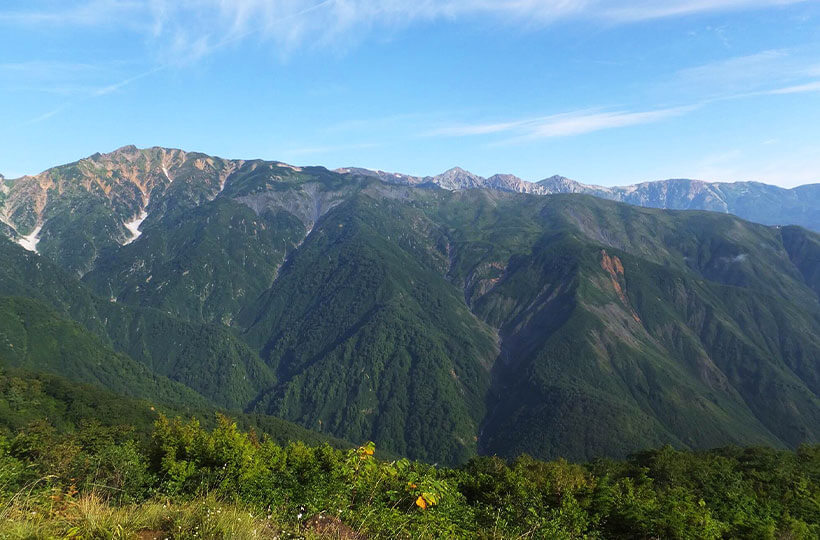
(85, 207)
(308, 203)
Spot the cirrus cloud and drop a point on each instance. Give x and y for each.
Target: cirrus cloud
(563, 125)
(196, 27)
(190, 29)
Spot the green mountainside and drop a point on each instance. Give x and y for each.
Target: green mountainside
(359, 324)
(30, 398)
(207, 358)
(439, 324)
(33, 336)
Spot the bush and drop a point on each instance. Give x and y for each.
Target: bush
(100, 472)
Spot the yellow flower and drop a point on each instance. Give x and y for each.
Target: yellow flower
(421, 503)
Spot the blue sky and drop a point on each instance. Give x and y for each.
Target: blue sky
(603, 91)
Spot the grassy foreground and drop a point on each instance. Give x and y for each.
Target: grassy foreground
(189, 482)
(90, 516)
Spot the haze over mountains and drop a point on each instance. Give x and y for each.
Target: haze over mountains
(504, 318)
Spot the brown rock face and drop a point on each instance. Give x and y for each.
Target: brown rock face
(615, 268)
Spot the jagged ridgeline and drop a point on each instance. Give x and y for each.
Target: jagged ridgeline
(439, 323)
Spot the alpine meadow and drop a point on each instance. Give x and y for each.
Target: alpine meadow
(194, 346)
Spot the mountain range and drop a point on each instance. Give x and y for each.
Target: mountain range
(440, 317)
(755, 201)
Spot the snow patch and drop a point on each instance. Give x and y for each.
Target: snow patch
(30, 241)
(134, 227)
(165, 171)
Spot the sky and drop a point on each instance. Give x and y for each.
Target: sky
(608, 92)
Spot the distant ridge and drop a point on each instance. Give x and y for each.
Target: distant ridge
(755, 201)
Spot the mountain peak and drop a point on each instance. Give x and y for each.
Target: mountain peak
(561, 184)
(127, 149)
(458, 178)
(504, 176)
(458, 170)
(510, 182)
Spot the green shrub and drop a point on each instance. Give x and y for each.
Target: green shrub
(103, 482)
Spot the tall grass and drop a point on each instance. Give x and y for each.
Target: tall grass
(91, 516)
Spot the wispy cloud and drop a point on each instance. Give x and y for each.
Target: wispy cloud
(766, 73)
(769, 72)
(734, 73)
(574, 124)
(92, 93)
(753, 68)
(654, 9)
(79, 81)
(467, 130)
(813, 86)
(563, 125)
(104, 90)
(184, 31)
(41, 68)
(74, 13)
(193, 25)
(190, 29)
(47, 115)
(52, 77)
